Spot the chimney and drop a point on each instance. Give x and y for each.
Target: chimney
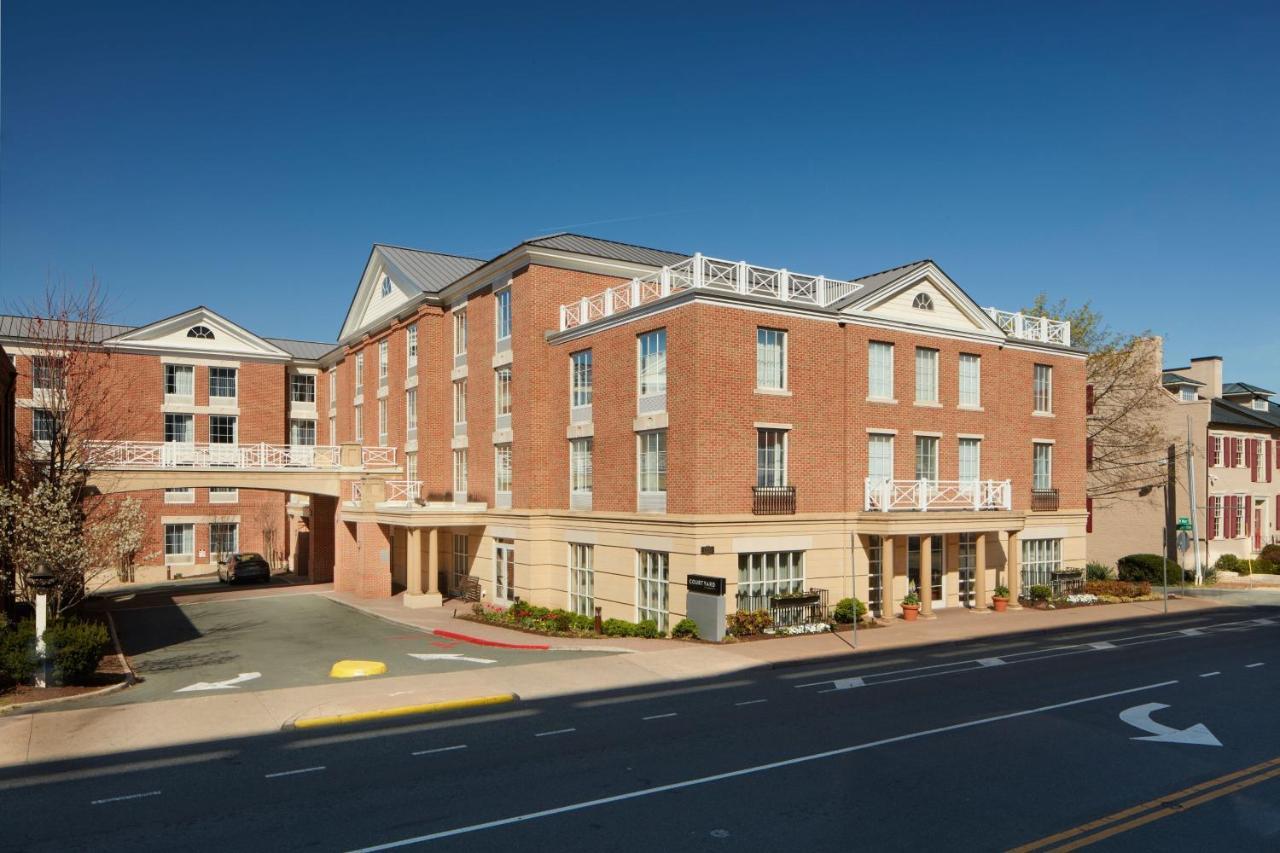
(1208, 369)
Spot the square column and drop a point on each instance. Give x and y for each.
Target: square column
(415, 597)
(980, 601)
(886, 577)
(925, 590)
(1013, 556)
(951, 559)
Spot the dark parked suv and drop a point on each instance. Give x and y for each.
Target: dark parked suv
(244, 567)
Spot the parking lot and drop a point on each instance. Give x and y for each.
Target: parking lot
(284, 640)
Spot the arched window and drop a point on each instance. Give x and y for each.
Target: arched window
(923, 301)
(203, 332)
(386, 285)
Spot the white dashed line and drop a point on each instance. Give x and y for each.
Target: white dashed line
(1210, 674)
(556, 732)
(659, 716)
(990, 662)
(125, 797)
(1102, 645)
(1191, 632)
(749, 702)
(439, 749)
(1252, 665)
(293, 772)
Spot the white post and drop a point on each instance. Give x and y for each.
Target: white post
(582, 309)
(977, 494)
(608, 302)
(886, 489)
(564, 310)
(697, 270)
(742, 276)
(664, 281)
(922, 495)
(821, 295)
(42, 617)
(784, 285)
(635, 292)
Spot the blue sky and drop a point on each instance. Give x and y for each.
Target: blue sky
(245, 155)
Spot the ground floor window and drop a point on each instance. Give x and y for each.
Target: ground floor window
(224, 539)
(504, 569)
(460, 559)
(1040, 559)
(875, 578)
(581, 579)
(968, 568)
(937, 567)
(179, 542)
(652, 572)
(764, 575)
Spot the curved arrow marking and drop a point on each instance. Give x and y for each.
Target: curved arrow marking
(1139, 716)
(229, 684)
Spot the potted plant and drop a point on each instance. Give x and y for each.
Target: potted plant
(911, 605)
(1000, 601)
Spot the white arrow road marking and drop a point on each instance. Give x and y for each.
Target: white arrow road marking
(420, 656)
(1139, 716)
(220, 685)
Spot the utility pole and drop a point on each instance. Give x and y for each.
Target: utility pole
(1195, 510)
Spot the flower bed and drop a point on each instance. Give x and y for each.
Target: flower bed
(555, 622)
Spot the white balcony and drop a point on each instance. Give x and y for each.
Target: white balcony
(703, 273)
(1029, 328)
(406, 492)
(884, 495)
(162, 455)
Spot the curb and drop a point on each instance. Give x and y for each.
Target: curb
(131, 677)
(497, 644)
(399, 711)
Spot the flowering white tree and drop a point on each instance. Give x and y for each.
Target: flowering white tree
(43, 528)
(116, 532)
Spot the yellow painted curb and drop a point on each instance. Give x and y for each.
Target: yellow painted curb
(403, 711)
(357, 668)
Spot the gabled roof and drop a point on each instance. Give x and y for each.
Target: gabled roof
(306, 350)
(18, 326)
(1231, 414)
(430, 272)
(612, 249)
(1239, 389)
(1171, 378)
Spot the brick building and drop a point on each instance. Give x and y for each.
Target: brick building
(584, 423)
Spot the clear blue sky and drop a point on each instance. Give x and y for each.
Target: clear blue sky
(245, 155)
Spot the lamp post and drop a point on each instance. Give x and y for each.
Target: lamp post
(42, 580)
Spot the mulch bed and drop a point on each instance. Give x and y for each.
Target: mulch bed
(24, 693)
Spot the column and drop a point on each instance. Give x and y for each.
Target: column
(925, 590)
(980, 599)
(1013, 556)
(886, 577)
(431, 597)
(413, 561)
(951, 554)
(433, 562)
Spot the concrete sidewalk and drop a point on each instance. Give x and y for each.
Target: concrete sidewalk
(52, 735)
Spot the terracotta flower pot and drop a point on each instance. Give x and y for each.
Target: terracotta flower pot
(1000, 603)
(910, 612)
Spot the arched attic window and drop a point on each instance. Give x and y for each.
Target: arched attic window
(202, 332)
(923, 301)
(386, 285)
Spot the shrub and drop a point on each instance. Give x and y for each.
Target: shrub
(583, 623)
(647, 628)
(1097, 572)
(1263, 566)
(562, 620)
(685, 628)
(76, 647)
(848, 610)
(1146, 567)
(1040, 592)
(1230, 563)
(1118, 589)
(619, 628)
(745, 623)
(1271, 553)
(17, 653)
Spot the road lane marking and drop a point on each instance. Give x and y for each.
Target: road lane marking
(293, 772)
(311, 741)
(659, 716)
(439, 749)
(1102, 645)
(1161, 807)
(1191, 632)
(125, 797)
(1210, 674)
(662, 694)
(114, 769)
(990, 662)
(749, 771)
(556, 732)
(1251, 665)
(843, 684)
(749, 702)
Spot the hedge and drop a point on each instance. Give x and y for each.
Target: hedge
(1146, 567)
(75, 648)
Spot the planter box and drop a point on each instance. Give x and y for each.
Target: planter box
(796, 600)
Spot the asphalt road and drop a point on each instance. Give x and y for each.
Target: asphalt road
(981, 746)
(288, 640)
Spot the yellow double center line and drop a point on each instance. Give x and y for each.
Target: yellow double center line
(1153, 810)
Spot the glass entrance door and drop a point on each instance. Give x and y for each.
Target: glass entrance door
(504, 569)
(968, 557)
(938, 569)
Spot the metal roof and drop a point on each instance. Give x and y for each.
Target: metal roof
(309, 350)
(1171, 378)
(612, 249)
(877, 281)
(1225, 412)
(1242, 388)
(18, 326)
(430, 272)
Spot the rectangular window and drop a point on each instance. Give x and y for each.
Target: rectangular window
(183, 496)
(653, 363)
(411, 410)
(1040, 559)
(875, 575)
(581, 579)
(411, 345)
(223, 494)
(1044, 389)
(302, 431)
(460, 472)
(179, 380)
(771, 457)
(224, 539)
(926, 375)
(222, 383)
(411, 467)
(502, 313)
(1187, 395)
(180, 542)
(1042, 467)
(653, 461)
(880, 371)
(1217, 451)
(771, 359)
(502, 467)
(580, 464)
(1237, 449)
(652, 576)
(382, 422)
(302, 388)
(179, 428)
(46, 373)
(580, 379)
(970, 381)
(359, 373)
(926, 457)
(222, 429)
(333, 389)
(970, 459)
(460, 401)
(460, 558)
(1215, 506)
(460, 332)
(384, 357)
(502, 391)
(762, 576)
(880, 456)
(359, 423)
(44, 427)
(1242, 502)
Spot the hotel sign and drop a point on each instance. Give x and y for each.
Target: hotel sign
(706, 584)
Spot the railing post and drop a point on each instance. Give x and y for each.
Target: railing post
(608, 302)
(635, 292)
(697, 271)
(821, 294)
(564, 310)
(784, 285)
(886, 494)
(664, 282)
(922, 496)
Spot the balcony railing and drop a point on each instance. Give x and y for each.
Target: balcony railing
(884, 495)
(370, 456)
(404, 491)
(1044, 500)
(176, 454)
(773, 500)
(1029, 328)
(703, 273)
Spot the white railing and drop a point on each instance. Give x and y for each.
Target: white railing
(884, 495)
(703, 273)
(404, 491)
(177, 454)
(357, 492)
(378, 455)
(1029, 328)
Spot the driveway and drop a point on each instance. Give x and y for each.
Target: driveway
(284, 640)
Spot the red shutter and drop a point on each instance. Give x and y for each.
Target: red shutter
(1213, 519)
(1229, 510)
(1251, 458)
(1214, 461)
(1088, 399)
(1247, 502)
(1088, 453)
(1088, 508)
(1277, 512)
(1267, 467)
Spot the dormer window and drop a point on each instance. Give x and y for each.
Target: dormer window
(386, 285)
(922, 302)
(1187, 394)
(1260, 404)
(202, 332)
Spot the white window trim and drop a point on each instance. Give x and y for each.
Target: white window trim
(784, 356)
(892, 355)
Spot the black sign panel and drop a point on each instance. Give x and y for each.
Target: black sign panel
(706, 584)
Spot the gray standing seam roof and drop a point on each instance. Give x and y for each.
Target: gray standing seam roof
(309, 350)
(612, 249)
(430, 272)
(1171, 378)
(1226, 412)
(878, 280)
(1241, 388)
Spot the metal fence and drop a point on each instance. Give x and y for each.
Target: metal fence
(804, 608)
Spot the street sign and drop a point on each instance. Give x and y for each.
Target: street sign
(1184, 523)
(1184, 541)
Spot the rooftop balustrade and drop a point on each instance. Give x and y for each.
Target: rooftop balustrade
(885, 495)
(1043, 330)
(164, 455)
